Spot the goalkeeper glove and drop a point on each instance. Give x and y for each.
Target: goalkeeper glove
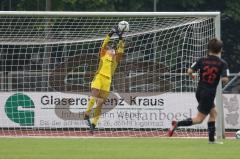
(120, 35)
(113, 30)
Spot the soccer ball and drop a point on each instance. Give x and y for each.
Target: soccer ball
(123, 26)
(238, 134)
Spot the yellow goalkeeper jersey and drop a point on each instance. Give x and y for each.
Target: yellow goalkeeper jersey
(108, 62)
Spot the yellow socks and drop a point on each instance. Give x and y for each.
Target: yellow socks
(90, 105)
(97, 113)
(97, 110)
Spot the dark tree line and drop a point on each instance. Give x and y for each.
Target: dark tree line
(230, 14)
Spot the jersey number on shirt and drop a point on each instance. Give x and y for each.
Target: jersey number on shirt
(209, 74)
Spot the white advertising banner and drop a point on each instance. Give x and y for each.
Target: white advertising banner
(65, 110)
(231, 105)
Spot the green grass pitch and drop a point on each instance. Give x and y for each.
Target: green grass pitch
(116, 148)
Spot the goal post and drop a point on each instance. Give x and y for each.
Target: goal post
(220, 129)
(48, 60)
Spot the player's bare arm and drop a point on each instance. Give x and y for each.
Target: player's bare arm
(190, 72)
(225, 80)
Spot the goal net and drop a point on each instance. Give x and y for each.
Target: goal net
(48, 60)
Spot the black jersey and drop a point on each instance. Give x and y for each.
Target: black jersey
(211, 69)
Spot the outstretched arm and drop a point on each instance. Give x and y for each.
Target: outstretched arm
(104, 44)
(120, 48)
(106, 40)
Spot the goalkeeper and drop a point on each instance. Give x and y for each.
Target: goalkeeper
(100, 86)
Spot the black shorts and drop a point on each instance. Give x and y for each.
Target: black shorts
(205, 98)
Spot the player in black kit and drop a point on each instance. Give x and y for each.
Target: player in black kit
(211, 68)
